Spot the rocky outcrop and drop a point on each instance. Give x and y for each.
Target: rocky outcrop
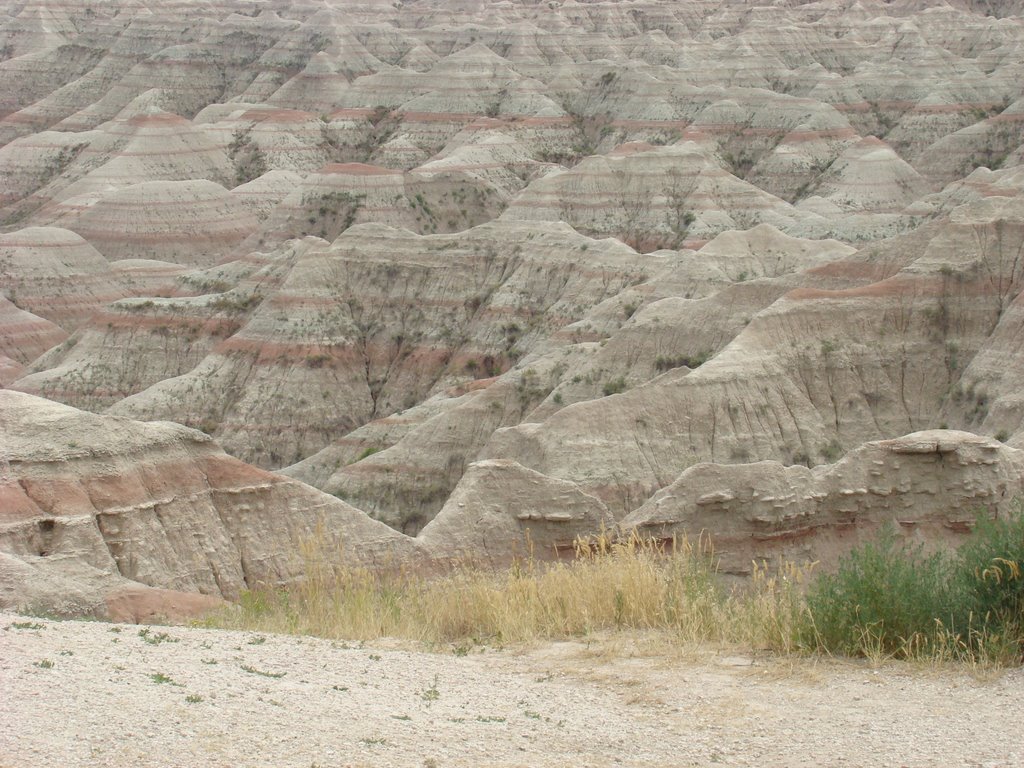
(184, 222)
(869, 176)
(23, 338)
(135, 343)
(56, 274)
(405, 468)
(108, 517)
(379, 321)
(654, 197)
(97, 513)
(930, 486)
(811, 374)
(501, 510)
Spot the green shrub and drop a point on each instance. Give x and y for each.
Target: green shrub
(891, 598)
(831, 451)
(367, 452)
(884, 595)
(989, 580)
(614, 386)
(668, 362)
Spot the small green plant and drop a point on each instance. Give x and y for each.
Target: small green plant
(160, 679)
(233, 302)
(317, 360)
(989, 578)
(156, 639)
(614, 386)
(668, 362)
(258, 640)
(249, 159)
(378, 114)
(1002, 435)
(831, 450)
(883, 594)
(193, 698)
(43, 664)
(254, 671)
(432, 693)
(374, 741)
(26, 625)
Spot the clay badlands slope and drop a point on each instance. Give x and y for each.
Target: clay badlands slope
(476, 269)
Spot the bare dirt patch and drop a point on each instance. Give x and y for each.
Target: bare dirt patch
(90, 694)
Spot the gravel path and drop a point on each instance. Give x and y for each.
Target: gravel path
(96, 694)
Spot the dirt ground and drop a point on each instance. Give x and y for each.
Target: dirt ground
(95, 694)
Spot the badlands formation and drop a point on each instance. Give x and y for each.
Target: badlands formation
(434, 279)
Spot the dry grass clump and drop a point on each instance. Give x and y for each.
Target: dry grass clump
(610, 585)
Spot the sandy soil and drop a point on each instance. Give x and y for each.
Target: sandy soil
(96, 694)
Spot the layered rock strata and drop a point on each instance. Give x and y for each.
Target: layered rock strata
(98, 511)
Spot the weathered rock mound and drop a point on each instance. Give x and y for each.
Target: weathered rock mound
(931, 485)
(502, 510)
(361, 239)
(98, 511)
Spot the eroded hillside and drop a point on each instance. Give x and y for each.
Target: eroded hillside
(467, 260)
